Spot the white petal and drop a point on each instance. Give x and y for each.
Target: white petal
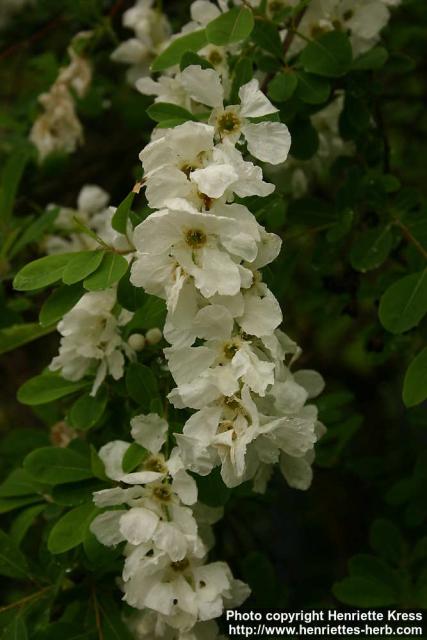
(141, 477)
(268, 141)
(138, 525)
(297, 472)
(312, 381)
(213, 322)
(203, 85)
(185, 486)
(203, 11)
(187, 364)
(106, 529)
(170, 539)
(254, 103)
(111, 455)
(261, 315)
(92, 199)
(149, 431)
(215, 179)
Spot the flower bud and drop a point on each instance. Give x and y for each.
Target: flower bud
(153, 336)
(136, 341)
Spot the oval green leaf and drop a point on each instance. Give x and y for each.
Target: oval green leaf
(371, 248)
(404, 304)
(112, 268)
(174, 52)
(232, 26)
(330, 55)
(47, 388)
(81, 265)
(59, 303)
(42, 272)
(415, 383)
(55, 465)
(70, 530)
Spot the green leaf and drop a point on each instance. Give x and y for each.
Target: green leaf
(311, 88)
(55, 465)
(35, 231)
(19, 334)
(283, 86)
(141, 384)
(46, 388)
(242, 73)
(128, 296)
(330, 55)
(120, 218)
(113, 626)
(364, 592)
(19, 483)
(11, 177)
(22, 524)
(64, 631)
(10, 504)
(13, 563)
(133, 457)
(112, 268)
(96, 464)
(232, 26)
(415, 382)
(266, 35)
(42, 272)
(59, 303)
(305, 139)
(73, 494)
(160, 111)
(70, 530)
(404, 304)
(173, 53)
(190, 58)
(88, 410)
(386, 539)
(371, 249)
(81, 265)
(370, 60)
(16, 630)
(151, 314)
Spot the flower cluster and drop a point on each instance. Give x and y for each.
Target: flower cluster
(151, 33)
(58, 128)
(92, 214)
(165, 572)
(202, 253)
(92, 339)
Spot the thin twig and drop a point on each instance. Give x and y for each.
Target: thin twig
(38, 35)
(19, 603)
(286, 42)
(409, 237)
(97, 614)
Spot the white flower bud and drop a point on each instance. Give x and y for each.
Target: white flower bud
(153, 336)
(136, 341)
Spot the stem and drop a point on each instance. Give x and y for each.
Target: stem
(97, 614)
(19, 603)
(409, 237)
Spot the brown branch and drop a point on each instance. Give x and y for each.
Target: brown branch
(116, 7)
(19, 603)
(409, 237)
(286, 42)
(38, 35)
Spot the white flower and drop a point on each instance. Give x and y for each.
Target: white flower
(182, 592)
(93, 212)
(204, 246)
(152, 31)
(267, 141)
(58, 128)
(206, 373)
(184, 163)
(91, 338)
(166, 89)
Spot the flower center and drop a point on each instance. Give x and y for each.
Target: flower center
(155, 463)
(215, 58)
(180, 565)
(229, 122)
(162, 493)
(230, 349)
(195, 238)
